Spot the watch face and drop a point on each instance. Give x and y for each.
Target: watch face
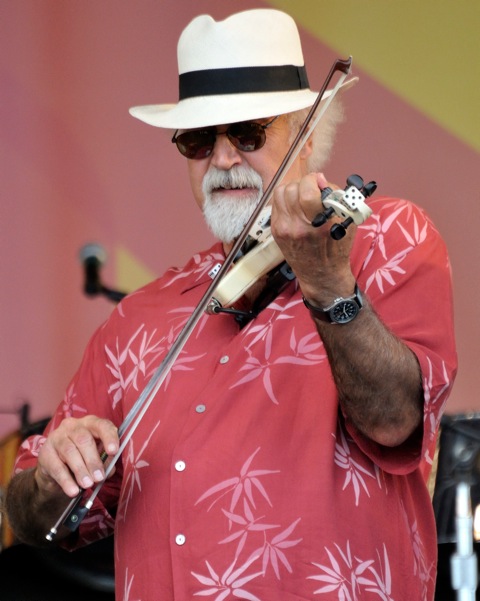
(344, 311)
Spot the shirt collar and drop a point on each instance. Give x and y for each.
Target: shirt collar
(197, 271)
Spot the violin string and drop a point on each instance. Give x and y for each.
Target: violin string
(136, 413)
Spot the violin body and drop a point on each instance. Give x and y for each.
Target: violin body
(253, 266)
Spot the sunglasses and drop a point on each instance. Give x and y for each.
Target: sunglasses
(246, 136)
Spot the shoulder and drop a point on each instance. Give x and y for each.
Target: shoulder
(399, 208)
(399, 220)
(196, 269)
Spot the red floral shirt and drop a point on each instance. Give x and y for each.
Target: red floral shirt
(243, 480)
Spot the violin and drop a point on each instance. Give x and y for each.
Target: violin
(346, 204)
(260, 253)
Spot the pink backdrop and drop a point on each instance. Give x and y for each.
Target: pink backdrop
(76, 168)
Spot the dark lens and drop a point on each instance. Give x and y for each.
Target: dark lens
(247, 136)
(196, 144)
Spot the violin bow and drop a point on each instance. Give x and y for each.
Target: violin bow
(75, 510)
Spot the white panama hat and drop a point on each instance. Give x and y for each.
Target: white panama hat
(248, 66)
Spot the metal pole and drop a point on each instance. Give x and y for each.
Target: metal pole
(464, 561)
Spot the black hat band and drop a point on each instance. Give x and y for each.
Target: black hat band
(242, 80)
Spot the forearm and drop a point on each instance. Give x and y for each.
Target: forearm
(377, 377)
(31, 512)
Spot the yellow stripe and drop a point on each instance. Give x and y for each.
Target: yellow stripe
(426, 51)
(131, 272)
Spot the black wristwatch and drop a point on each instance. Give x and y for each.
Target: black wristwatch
(342, 310)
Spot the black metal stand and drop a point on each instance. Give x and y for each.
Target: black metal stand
(461, 469)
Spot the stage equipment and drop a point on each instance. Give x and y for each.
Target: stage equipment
(93, 257)
(457, 489)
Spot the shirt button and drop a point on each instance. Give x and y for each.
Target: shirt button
(224, 359)
(180, 539)
(200, 408)
(180, 466)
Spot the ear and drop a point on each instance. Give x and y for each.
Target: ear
(306, 150)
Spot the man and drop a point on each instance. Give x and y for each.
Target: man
(283, 457)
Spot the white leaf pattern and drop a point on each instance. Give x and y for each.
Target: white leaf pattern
(133, 473)
(351, 577)
(301, 355)
(354, 471)
(250, 523)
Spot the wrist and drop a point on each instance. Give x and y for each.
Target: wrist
(321, 289)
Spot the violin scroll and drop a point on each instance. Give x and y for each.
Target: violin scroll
(349, 204)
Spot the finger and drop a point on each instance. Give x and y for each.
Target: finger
(310, 196)
(302, 203)
(82, 449)
(53, 473)
(104, 431)
(288, 197)
(75, 444)
(322, 181)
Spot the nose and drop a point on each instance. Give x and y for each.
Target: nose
(224, 154)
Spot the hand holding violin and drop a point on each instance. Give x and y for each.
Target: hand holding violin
(320, 262)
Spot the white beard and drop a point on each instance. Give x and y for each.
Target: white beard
(226, 217)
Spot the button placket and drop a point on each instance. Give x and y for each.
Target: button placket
(180, 465)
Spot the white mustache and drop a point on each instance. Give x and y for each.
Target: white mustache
(238, 176)
(226, 216)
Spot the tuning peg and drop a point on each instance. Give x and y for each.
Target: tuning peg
(369, 189)
(355, 180)
(322, 218)
(338, 230)
(325, 192)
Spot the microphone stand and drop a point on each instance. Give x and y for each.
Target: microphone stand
(464, 570)
(93, 256)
